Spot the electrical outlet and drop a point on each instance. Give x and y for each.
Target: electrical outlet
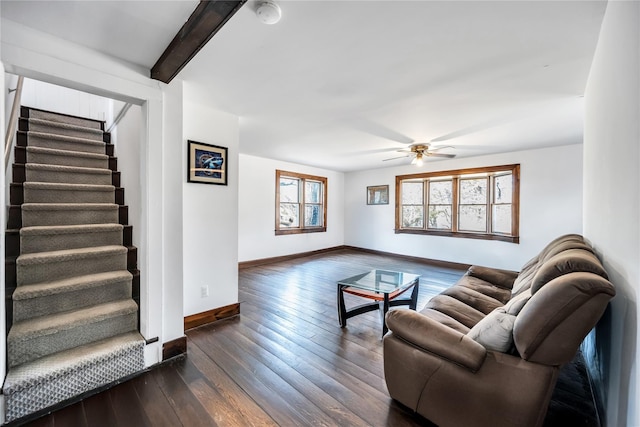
(204, 291)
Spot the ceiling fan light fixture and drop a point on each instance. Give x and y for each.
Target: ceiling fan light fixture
(268, 12)
(418, 160)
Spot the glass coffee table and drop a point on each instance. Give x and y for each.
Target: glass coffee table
(382, 286)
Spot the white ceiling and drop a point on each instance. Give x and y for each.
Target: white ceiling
(343, 84)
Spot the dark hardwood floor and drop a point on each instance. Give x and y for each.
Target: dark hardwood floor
(286, 362)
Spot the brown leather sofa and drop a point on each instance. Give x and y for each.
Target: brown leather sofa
(486, 352)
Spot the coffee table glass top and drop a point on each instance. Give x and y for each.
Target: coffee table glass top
(380, 281)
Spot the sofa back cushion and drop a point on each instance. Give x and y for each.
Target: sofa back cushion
(564, 262)
(555, 320)
(558, 245)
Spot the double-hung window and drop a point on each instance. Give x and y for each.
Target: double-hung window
(301, 203)
(477, 203)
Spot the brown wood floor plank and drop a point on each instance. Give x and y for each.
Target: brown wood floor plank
(322, 391)
(283, 403)
(314, 377)
(189, 410)
(209, 397)
(155, 404)
(128, 406)
(99, 411)
(253, 415)
(71, 416)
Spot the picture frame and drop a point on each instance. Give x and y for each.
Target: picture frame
(378, 195)
(207, 164)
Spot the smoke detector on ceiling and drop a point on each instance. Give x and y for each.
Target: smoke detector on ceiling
(268, 12)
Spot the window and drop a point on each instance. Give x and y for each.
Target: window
(478, 203)
(301, 203)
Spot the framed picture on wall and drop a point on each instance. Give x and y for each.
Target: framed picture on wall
(207, 163)
(378, 195)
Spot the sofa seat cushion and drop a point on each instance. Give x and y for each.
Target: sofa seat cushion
(455, 309)
(481, 302)
(485, 288)
(495, 331)
(445, 320)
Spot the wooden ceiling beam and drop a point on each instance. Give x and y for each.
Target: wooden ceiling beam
(205, 21)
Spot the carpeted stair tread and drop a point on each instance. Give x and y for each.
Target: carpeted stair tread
(68, 254)
(47, 325)
(54, 265)
(55, 117)
(41, 214)
(48, 126)
(36, 172)
(59, 237)
(42, 299)
(44, 382)
(53, 156)
(52, 192)
(64, 142)
(69, 284)
(24, 375)
(31, 339)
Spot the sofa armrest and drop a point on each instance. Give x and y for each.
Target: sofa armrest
(501, 278)
(436, 338)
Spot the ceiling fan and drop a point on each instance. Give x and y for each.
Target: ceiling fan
(420, 151)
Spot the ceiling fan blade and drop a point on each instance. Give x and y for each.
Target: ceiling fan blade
(448, 156)
(395, 158)
(440, 147)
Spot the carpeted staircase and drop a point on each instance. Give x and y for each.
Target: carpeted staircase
(71, 269)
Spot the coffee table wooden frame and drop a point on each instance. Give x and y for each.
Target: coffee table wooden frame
(382, 301)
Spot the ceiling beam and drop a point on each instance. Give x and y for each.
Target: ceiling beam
(205, 21)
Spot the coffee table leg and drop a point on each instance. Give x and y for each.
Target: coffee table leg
(342, 310)
(385, 308)
(414, 295)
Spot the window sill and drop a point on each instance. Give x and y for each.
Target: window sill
(481, 236)
(301, 231)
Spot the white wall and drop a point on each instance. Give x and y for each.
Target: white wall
(126, 139)
(550, 205)
(210, 213)
(256, 238)
(45, 96)
(173, 178)
(612, 205)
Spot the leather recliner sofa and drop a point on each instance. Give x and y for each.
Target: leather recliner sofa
(487, 351)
